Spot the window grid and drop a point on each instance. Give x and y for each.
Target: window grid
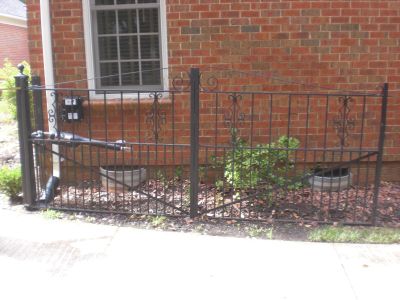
(137, 34)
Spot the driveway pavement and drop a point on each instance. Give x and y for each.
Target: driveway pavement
(59, 259)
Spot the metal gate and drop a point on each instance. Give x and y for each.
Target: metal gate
(198, 150)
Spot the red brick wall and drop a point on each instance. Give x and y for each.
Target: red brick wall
(13, 43)
(351, 45)
(67, 39)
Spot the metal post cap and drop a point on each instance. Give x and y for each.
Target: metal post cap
(21, 68)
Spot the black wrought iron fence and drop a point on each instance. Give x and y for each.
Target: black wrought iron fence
(196, 150)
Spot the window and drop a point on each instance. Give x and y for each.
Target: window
(127, 43)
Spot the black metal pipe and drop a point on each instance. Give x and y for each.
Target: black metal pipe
(75, 140)
(50, 189)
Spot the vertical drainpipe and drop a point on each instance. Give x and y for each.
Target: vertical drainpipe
(45, 22)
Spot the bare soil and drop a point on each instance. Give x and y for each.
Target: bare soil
(304, 205)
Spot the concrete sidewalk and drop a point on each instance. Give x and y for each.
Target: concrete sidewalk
(57, 259)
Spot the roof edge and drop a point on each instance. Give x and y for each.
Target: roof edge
(13, 20)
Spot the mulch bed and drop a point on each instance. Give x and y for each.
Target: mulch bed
(354, 205)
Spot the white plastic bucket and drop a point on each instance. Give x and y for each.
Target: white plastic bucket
(113, 176)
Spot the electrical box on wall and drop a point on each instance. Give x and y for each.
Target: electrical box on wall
(72, 109)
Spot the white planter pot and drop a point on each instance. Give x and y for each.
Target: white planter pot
(331, 183)
(112, 177)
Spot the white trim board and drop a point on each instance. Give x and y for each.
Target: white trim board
(13, 20)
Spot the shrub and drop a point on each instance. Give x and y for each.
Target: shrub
(264, 165)
(7, 82)
(11, 181)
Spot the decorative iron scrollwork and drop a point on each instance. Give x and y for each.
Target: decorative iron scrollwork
(208, 83)
(52, 111)
(344, 123)
(156, 118)
(234, 115)
(181, 82)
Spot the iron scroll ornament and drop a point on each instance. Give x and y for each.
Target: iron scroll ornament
(208, 83)
(234, 115)
(155, 117)
(343, 122)
(52, 111)
(181, 82)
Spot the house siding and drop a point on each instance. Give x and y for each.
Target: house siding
(349, 45)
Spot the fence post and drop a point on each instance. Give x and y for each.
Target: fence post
(194, 140)
(378, 168)
(25, 144)
(37, 103)
(38, 125)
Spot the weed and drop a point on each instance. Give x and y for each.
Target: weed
(160, 176)
(200, 228)
(178, 172)
(261, 232)
(158, 221)
(355, 235)
(52, 214)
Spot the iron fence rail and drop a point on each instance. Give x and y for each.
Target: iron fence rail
(198, 151)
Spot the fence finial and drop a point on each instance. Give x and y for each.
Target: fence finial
(21, 68)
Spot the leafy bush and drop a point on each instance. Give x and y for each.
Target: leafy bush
(11, 181)
(263, 165)
(7, 82)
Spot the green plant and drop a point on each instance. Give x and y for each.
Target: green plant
(7, 83)
(202, 172)
(158, 221)
(255, 231)
(265, 165)
(5, 113)
(355, 235)
(52, 214)
(219, 184)
(178, 173)
(160, 175)
(11, 181)
(200, 228)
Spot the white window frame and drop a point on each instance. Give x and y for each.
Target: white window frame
(90, 56)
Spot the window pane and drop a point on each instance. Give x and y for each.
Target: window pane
(127, 21)
(153, 75)
(130, 73)
(106, 22)
(147, 1)
(104, 2)
(107, 69)
(128, 47)
(149, 47)
(148, 20)
(126, 1)
(108, 49)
